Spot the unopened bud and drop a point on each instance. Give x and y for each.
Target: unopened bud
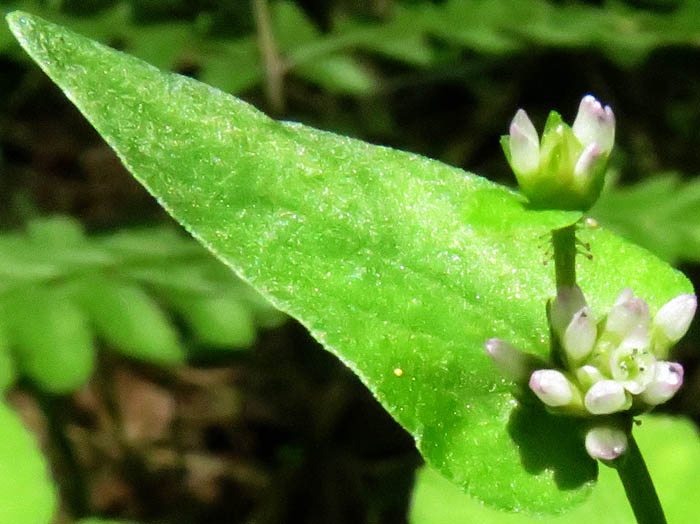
(552, 387)
(566, 168)
(606, 396)
(606, 443)
(510, 361)
(580, 335)
(674, 317)
(668, 378)
(595, 124)
(588, 375)
(627, 314)
(568, 301)
(524, 145)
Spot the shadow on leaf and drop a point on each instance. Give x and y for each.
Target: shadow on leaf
(552, 442)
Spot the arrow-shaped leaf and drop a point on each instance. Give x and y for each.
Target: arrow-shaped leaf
(399, 265)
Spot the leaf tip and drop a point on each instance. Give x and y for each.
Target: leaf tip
(18, 21)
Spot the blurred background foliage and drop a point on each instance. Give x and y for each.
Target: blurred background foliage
(165, 390)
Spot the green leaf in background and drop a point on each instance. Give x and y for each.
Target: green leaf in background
(399, 265)
(26, 493)
(122, 285)
(671, 449)
(7, 365)
(51, 338)
(217, 321)
(96, 520)
(661, 213)
(129, 320)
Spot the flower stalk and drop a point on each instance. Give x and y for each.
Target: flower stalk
(606, 369)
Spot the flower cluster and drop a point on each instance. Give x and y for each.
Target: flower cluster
(616, 364)
(566, 169)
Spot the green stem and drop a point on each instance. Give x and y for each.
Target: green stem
(639, 486)
(72, 481)
(564, 242)
(631, 468)
(274, 67)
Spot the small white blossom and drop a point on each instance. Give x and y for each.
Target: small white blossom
(524, 144)
(552, 387)
(606, 443)
(667, 379)
(674, 317)
(565, 169)
(628, 313)
(580, 335)
(605, 397)
(595, 124)
(509, 360)
(568, 301)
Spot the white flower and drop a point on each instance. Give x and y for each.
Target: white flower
(595, 124)
(628, 313)
(605, 397)
(552, 387)
(566, 167)
(510, 361)
(524, 144)
(674, 317)
(667, 379)
(580, 335)
(606, 443)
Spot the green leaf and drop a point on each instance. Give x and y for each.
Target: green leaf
(26, 492)
(217, 321)
(128, 319)
(7, 365)
(671, 449)
(661, 213)
(399, 265)
(51, 338)
(95, 520)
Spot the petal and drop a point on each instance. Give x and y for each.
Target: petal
(606, 396)
(569, 300)
(510, 361)
(628, 315)
(605, 442)
(595, 123)
(586, 164)
(524, 144)
(552, 387)
(674, 318)
(668, 378)
(580, 335)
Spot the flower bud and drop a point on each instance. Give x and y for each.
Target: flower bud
(524, 146)
(595, 124)
(566, 169)
(588, 375)
(674, 317)
(568, 301)
(606, 443)
(628, 313)
(580, 335)
(607, 396)
(513, 363)
(667, 379)
(552, 387)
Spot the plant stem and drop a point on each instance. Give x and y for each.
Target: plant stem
(274, 68)
(73, 484)
(564, 242)
(638, 485)
(631, 468)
